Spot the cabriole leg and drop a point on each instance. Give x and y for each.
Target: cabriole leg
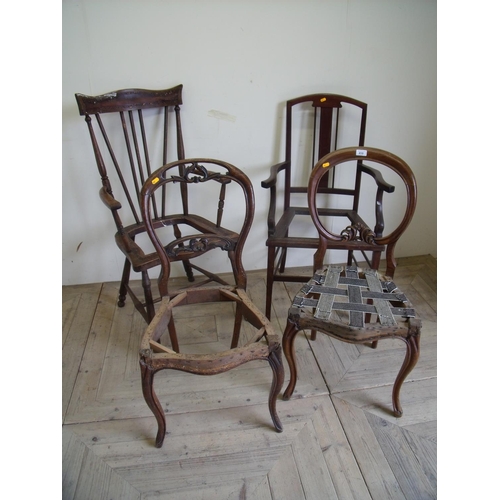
(147, 375)
(278, 378)
(289, 334)
(411, 358)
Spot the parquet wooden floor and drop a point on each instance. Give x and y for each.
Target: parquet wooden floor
(340, 439)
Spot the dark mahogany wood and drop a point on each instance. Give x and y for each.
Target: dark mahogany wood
(328, 111)
(134, 132)
(265, 344)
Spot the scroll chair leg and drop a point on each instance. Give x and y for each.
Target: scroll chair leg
(147, 375)
(122, 294)
(275, 360)
(271, 257)
(411, 358)
(289, 334)
(148, 296)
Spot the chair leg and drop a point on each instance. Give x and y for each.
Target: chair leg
(186, 264)
(350, 256)
(122, 294)
(289, 334)
(148, 297)
(238, 318)
(147, 375)
(411, 358)
(271, 256)
(173, 335)
(283, 260)
(275, 360)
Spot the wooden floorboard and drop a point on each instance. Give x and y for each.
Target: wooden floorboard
(340, 438)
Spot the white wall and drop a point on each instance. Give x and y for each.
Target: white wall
(245, 59)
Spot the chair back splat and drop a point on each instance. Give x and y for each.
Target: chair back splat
(133, 132)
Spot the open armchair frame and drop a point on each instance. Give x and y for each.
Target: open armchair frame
(328, 111)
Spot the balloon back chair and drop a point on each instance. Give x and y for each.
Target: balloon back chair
(261, 343)
(348, 303)
(133, 132)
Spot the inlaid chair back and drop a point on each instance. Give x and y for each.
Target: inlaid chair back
(316, 125)
(134, 132)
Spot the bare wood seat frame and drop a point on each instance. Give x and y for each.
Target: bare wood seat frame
(263, 345)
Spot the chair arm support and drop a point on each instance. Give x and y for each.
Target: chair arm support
(270, 183)
(382, 186)
(388, 188)
(108, 200)
(275, 170)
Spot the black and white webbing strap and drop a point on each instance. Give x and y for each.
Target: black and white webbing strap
(365, 293)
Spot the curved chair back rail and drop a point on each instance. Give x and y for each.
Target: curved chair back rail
(209, 235)
(361, 231)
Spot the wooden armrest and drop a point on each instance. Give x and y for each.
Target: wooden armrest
(108, 200)
(388, 188)
(275, 169)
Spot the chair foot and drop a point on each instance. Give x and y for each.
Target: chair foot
(275, 360)
(411, 358)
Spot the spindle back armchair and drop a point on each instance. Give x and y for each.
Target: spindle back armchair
(134, 132)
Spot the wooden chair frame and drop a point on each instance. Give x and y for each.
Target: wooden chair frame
(264, 345)
(125, 127)
(328, 109)
(377, 310)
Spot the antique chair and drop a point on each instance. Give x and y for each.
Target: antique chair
(345, 302)
(317, 124)
(261, 343)
(132, 134)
